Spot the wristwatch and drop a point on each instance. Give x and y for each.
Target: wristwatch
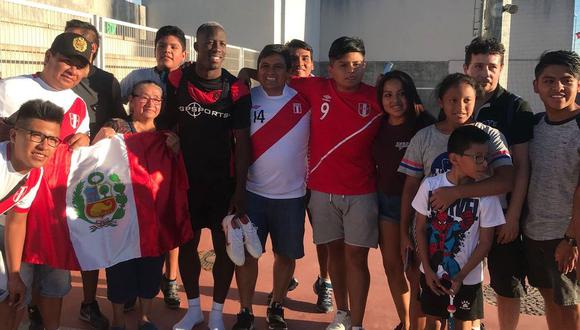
(570, 240)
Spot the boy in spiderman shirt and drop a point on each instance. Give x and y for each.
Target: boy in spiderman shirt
(453, 242)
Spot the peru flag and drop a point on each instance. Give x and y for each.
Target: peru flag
(123, 198)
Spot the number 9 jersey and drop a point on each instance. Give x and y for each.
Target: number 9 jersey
(343, 127)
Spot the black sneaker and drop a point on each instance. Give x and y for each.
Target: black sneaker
(245, 320)
(91, 314)
(35, 318)
(316, 286)
(170, 295)
(291, 286)
(324, 291)
(275, 317)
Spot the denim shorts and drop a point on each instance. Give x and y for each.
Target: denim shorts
(389, 208)
(50, 282)
(283, 219)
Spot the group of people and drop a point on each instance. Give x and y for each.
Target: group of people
(368, 165)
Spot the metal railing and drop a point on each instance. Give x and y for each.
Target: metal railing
(27, 29)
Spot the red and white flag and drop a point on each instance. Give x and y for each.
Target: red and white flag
(123, 198)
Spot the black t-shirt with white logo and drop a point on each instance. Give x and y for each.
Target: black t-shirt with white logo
(205, 113)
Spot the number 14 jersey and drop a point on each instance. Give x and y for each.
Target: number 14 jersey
(279, 128)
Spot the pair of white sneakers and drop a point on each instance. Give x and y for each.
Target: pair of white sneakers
(241, 235)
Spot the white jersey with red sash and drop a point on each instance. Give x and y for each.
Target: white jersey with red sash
(343, 128)
(18, 190)
(17, 90)
(280, 127)
(13, 93)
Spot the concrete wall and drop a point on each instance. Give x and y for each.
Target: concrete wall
(400, 30)
(248, 23)
(420, 37)
(537, 26)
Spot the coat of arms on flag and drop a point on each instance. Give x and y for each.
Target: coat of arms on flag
(120, 199)
(101, 202)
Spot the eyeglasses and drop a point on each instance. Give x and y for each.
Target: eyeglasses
(39, 137)
(144, 99)
(477, 158)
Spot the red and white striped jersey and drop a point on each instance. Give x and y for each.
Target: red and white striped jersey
(18, 90)
(17, 190)
(279, 128)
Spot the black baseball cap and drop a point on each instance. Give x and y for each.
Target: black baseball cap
(70, 44)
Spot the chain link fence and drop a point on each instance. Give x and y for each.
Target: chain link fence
(27, 29)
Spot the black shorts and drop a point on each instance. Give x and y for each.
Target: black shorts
(306, 201)
(543, 272)
(468, 301)
(507, 268)
(209, 203)
(139, 277)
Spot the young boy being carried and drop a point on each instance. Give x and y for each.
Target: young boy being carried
(33, 140)
(453, 242)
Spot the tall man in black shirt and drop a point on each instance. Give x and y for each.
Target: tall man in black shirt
(210, 109)
(512, 116)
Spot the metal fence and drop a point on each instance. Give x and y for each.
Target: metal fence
(27, 29)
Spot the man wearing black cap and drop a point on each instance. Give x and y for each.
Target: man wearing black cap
(102, 89)
(66, 63)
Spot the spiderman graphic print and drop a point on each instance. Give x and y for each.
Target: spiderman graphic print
(447, 231)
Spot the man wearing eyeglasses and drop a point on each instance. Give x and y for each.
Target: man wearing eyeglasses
(66, 63)
(32, 141)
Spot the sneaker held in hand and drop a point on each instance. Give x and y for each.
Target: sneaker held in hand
(235, 240)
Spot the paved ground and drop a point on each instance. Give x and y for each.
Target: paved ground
(300, 306)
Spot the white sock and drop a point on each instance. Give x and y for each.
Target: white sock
(216, 320)
(475, 328)
(192, 317)
(321, 279)
(193, 302)
(217, 307)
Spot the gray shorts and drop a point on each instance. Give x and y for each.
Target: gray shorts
(353, 218)
(51, 282)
